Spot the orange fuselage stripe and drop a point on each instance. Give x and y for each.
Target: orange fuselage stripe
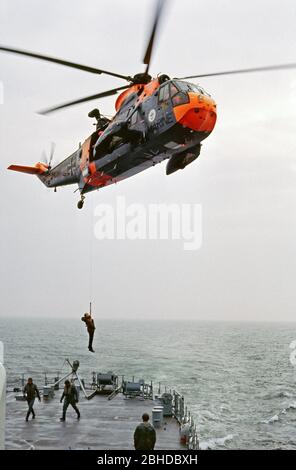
(148, 90)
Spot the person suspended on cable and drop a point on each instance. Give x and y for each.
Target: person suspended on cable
(90, 325)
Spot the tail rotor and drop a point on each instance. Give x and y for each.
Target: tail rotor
(47, 160)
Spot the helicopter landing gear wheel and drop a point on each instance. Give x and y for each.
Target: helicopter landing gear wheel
(81, 202)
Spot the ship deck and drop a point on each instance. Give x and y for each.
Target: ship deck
(103, 425)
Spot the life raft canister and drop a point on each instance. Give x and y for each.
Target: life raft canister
(184, 433)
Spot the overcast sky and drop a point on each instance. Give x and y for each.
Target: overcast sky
(244, 179)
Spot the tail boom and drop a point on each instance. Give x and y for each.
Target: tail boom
(38, 169)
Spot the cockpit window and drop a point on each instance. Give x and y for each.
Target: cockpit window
(167, 91)
(164, 93)
(174, 89)
(186, 86)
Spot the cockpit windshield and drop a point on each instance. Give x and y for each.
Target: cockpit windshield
(186, 86)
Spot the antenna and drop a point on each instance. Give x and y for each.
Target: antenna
(90, 308)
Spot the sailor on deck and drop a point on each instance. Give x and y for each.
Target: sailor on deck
(31, 391)
(70, 397)
(144, 435)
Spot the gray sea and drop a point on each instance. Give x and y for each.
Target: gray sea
(237, 378)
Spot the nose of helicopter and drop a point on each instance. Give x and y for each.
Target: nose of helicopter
(199, 114)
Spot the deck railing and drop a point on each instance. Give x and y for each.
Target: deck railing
(2, 398)
(184, 417)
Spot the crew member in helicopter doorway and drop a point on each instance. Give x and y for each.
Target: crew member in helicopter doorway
(90, 325)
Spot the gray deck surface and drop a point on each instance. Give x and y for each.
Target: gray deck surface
(104, 424)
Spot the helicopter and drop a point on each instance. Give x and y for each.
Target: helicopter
(156, 119)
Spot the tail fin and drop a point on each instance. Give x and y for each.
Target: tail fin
(38, 169)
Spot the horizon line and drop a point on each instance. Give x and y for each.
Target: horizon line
(156, 319)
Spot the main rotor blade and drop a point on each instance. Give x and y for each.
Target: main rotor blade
(149, 49)
(232, 72)
(83, 100)
(73, 65)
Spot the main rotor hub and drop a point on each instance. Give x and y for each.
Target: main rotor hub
(141, 78)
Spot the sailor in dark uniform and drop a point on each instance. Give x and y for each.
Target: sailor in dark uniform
(31, 391)
(144, 435)
(70, 397)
